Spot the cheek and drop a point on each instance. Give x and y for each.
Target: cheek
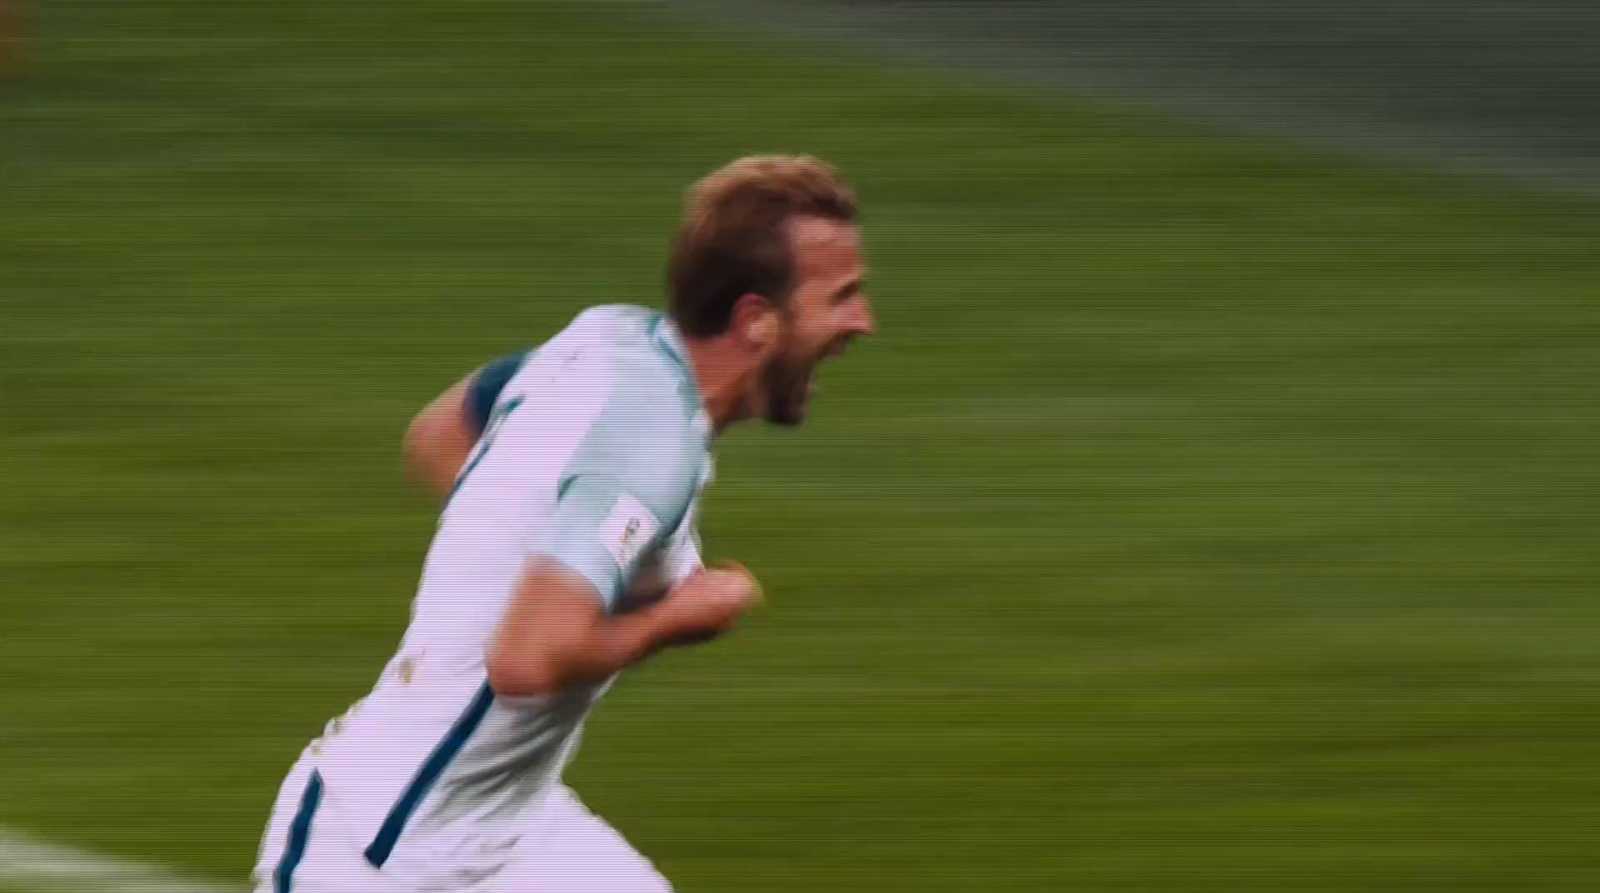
(811, 337)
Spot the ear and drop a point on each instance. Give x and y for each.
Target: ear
(755, 319)
(763, 330)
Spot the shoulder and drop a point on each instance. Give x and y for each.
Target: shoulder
(646, 387)
(645, 435)
(645, 416)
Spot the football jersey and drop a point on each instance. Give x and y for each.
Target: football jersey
(595, 451)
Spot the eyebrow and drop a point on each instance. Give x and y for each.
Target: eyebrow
(847, 289)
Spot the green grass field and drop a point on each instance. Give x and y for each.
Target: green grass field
(1209, 515)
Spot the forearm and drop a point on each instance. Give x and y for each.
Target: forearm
(538, 653)
(617, 643)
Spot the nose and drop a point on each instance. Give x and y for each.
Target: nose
(863, 322)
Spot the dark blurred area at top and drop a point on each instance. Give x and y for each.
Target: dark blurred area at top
(1494, 83)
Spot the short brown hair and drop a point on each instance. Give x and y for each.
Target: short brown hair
(733, 238)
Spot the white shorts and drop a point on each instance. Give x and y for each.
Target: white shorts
(567, 849)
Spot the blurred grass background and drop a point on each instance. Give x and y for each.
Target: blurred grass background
(1210, 515)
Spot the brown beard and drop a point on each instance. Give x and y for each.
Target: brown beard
(785, 380)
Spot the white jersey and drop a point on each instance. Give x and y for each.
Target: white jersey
(595, 453)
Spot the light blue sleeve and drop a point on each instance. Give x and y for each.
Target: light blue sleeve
(627, 488)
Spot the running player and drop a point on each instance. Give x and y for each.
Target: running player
(567, 551)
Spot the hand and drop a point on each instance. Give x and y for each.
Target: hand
(708, 603)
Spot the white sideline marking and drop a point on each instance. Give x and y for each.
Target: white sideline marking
(25, 860)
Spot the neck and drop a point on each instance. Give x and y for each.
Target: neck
(723, 378)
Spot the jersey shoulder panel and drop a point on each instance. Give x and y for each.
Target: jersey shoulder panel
(646, 436)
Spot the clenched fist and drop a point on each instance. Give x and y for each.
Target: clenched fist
(708, 603)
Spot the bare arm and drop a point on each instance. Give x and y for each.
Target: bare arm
(555, 632)
(439, 439)
(444, 433)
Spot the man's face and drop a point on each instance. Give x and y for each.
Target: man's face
(826, 309)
